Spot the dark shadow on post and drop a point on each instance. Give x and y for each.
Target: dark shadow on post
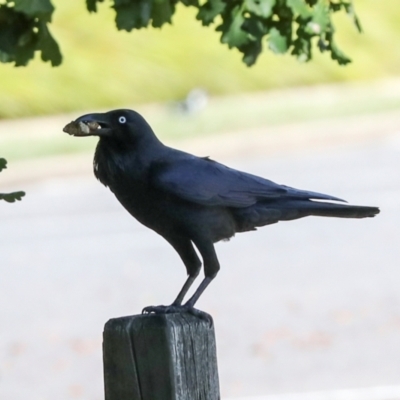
(160, 357)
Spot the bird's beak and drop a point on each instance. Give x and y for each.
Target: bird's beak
(89, 125)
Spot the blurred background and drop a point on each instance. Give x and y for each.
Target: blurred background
(309, 309)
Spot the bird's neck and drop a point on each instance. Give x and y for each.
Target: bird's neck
(113, 160)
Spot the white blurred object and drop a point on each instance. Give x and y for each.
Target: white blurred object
(195, 101)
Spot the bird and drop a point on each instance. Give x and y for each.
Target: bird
(192, 202)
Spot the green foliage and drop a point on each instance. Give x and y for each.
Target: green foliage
(24, 30)
(286, 26)
(9, 197)
(92, 5)
(154, 66)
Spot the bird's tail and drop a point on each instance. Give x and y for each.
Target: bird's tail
(303, 208)
(264, 213)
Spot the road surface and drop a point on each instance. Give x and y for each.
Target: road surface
(308, 305)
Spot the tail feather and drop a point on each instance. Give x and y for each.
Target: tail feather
(307, 195)
(299, 209)
(264, 213)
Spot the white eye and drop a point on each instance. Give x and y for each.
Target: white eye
(121, 119)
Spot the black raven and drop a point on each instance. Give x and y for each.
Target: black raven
(191, 201)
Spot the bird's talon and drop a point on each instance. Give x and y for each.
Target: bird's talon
(154, 310)
(178, 309)
(161, 309)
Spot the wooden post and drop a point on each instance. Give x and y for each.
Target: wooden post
(160, 357)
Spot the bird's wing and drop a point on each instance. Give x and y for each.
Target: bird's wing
(207, 182)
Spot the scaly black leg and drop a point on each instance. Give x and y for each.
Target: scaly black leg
(185, 249)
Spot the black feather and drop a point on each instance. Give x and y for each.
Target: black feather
(195, 200)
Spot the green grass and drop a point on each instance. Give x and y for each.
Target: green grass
(104, 68)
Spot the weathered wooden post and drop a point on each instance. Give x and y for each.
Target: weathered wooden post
(160, 357)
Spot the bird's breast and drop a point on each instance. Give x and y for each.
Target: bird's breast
(139, 199)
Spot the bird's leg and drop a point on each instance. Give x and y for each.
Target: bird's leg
(211, 268)
(192, 263)
(185, 288)
(185, 249)
(199, 291)
(176, 306)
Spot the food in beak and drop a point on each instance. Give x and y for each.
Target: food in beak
(81, 128)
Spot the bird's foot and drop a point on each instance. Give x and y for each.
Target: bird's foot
(174, 308)
(162, 309)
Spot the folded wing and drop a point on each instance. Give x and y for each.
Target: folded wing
(206, 182)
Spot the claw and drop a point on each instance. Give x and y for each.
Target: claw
(161, 309)
(178, 309)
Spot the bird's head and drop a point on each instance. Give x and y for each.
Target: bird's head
(125, 126)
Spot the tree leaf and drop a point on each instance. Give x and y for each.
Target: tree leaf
(336, 53)
(48, 46)
(321, 19)
(161, 13)
(251, 52)
(9, 197)
(132, 15)
(35, 8)
(3, 163)
(118, 3)
(349, 7)
(302, 47)
(277, 42)
(255, 28)
(209, 10)
(91, 5)
(261, 8)
(25, 53)
(17, 36)
(194, 3)
(233, 34)
(12, 197)
(299, 7)
(13, 26)
(5, 57)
